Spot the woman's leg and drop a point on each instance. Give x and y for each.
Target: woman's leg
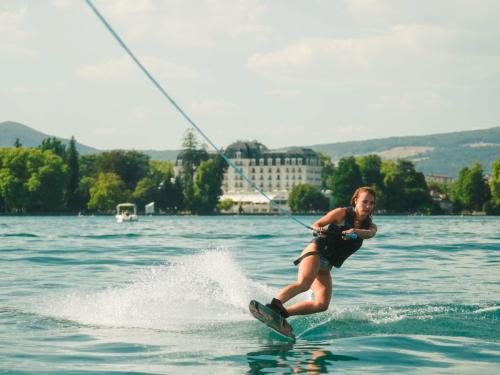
(308, 270)
(322, 289)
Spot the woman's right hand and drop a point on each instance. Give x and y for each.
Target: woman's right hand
(320, 231)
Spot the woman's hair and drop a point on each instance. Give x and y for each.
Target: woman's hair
(362, 190)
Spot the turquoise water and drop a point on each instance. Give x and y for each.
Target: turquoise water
(168, 295)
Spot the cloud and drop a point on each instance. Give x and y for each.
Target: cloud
(30, 90)
(14, 33)
(284, 93)
(187, 23)
(123, 67)
(213, 106)
(140, 113)
(405, 53)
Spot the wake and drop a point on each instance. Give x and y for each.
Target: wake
(198, 289)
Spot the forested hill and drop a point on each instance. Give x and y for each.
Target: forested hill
(28, 137)
(433, 154)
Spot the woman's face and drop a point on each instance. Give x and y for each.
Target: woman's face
(365, 203)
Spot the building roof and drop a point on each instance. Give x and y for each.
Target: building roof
(248, 149)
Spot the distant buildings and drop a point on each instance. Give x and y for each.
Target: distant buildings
(439, 178)
(274, 172)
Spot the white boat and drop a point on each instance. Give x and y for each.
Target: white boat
(126, 212)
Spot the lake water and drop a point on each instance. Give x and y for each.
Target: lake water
(169, 295)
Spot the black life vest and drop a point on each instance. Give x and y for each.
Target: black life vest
(337, 250)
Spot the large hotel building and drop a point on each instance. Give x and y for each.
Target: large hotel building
(274, 172)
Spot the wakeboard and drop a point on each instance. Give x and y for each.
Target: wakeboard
(271, 319)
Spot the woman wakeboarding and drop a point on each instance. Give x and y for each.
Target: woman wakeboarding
(339, 234)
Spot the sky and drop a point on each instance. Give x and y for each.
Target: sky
(283, 72)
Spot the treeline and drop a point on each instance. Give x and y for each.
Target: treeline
(54, 178)
(400, 188)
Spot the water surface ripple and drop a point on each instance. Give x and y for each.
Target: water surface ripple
(85, 295)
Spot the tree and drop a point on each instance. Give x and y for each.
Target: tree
(146, 191)
(369, 167)
(168, 195)
(72, 197)
(107, 191)
(346, 179)
(470, 190)
(405, 189)
(225, 204)
(31, 180)
(307, 198)
(130, 166)
(495, 184)
(13, 176)
(191, 157)
(171, 197)
(47, 181)
(17, 143)
(207, 187)
(55, 145)
(327, 171)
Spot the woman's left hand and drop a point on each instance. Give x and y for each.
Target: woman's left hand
(349, 234)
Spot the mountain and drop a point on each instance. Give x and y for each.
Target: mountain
(10, 131)
(432, 154)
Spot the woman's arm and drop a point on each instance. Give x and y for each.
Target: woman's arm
(363, 233)
(334, 216)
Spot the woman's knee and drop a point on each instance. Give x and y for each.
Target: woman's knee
(322, 305)
(304, 284)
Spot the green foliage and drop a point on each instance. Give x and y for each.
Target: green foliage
(73, 199)
(168, 194)
(405, 189)
(191, 157)
(145, 192)
(471, 191)
(31, 180)
(107, 191)
(495, 184)
(87, 164)
(327, 171)
(55, 145)
(207, 187)
(369, 167)
(130, 166)
(307, 198)
(346, 178)
(225, 204)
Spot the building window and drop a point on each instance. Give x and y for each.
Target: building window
(278, 161)
(269, 161)
(287, 161)
(299, 162)
(238, 154)
(261, 161)
(294, 161)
